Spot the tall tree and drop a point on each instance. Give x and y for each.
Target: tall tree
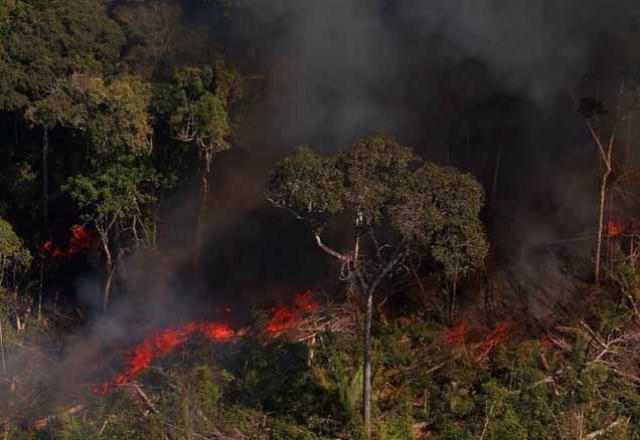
(15, 260)
(14, 257)
(44, 40)
(592, 110)
(112, 198)
(199, 114)
(119, 182)
(397, 207)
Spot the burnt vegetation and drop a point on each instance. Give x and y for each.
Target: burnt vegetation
(299, 219)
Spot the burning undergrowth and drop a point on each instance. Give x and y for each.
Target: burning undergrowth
(300, 320)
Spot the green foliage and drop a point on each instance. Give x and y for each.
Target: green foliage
(229, 83)
(198, 112)
(440, 212)
(44, 40)
(116, 190)
(114, 116)
(259, 389)
(65, 427)
(434, 211)
(376, 169)
(308, 183)
(14, 257)
(350, 393)
(275, 378)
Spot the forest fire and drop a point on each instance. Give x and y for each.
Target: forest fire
(163, 342)
(479, 350)
(81, 240)
(614, 229)
(285, 317)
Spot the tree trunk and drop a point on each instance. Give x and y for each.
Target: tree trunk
(366, 383)
(109, 274)
(205, 170)
(4, 362)
(496, 173)
(45, 176)
(454, 289)
(603, 195)
(107, 289)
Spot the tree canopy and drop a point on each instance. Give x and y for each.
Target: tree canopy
(45, 40)
(14, 256)
(433, 210)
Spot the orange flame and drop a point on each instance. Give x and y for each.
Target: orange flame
(165, 341)
(285, 317)
(614, 230)
(81, 240)
(456, 335)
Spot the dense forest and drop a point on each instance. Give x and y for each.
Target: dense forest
(337, 219)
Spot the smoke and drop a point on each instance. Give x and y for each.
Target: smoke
(344, 67)
(462, 80)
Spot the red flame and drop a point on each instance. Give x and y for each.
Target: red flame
(613, 229)
(494, 338)
(477, 350)
(163, 342)
(285, 317)
(456, 335)
(304, 301)
(282, 318)
(81, 240)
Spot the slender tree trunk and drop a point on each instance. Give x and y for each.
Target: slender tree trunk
(40, 290)
(109, 274)
(45, 176)
(4, 361)
(496, 173)
(107, 289)
(366, 385)
(603, 195)
(607, 226)
(205, 171)
(454, 289)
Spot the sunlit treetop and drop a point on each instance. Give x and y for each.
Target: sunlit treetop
(375, 169)
(439, 211)
(432, 210)
(44, 40)
(114, 115)
(199, 102)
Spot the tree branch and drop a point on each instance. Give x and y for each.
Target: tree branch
(601, 432)
(330, 251)
(596, 137)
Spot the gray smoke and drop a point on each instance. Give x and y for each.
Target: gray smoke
(347, 66)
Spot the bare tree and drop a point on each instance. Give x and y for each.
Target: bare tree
(627, 101)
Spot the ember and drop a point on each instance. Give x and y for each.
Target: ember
(613, 229)
(456, 335)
